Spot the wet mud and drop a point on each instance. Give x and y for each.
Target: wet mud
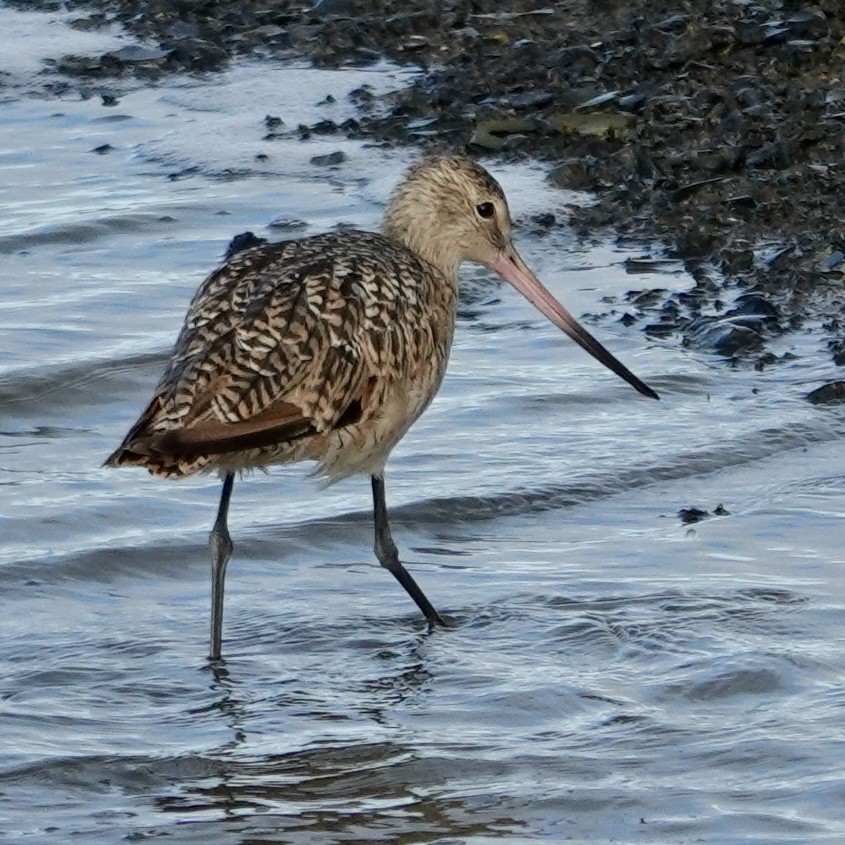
(712, 128)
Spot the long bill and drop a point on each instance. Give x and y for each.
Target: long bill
(514, 270)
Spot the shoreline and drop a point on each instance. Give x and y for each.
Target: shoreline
(713, 129)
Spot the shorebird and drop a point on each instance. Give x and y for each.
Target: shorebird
(328, 348)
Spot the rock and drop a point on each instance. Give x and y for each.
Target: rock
(288, 224)
(692, 515)
(494, 133)
(828, 394)
(596, 124)
(329, 159)
(727, 336)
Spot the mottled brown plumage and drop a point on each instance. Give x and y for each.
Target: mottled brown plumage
(328, 348)
(324, 348)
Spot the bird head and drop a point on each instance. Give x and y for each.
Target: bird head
(448, 210)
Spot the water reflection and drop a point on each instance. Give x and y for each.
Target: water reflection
(339, 793)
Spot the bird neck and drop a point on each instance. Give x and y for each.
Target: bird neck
(426, 238)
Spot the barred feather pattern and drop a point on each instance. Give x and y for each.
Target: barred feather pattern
(338, 340)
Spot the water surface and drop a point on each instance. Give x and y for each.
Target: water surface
(612, 675)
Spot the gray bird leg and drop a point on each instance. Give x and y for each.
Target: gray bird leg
(220, 545)
(388, 556)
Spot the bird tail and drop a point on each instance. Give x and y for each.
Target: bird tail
(137, 450)
(162, 466)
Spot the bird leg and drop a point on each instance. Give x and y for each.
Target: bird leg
(220, 545)
(388, 556)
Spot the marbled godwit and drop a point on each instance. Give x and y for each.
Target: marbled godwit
(328, 348)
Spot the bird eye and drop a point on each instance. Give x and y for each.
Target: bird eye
(485, 210)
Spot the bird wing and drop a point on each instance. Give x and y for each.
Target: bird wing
(272, 350)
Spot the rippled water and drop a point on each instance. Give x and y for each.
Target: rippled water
(612, 674)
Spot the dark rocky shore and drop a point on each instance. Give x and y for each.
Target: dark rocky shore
(714, 128)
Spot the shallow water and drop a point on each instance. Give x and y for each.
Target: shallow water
(612, 674)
